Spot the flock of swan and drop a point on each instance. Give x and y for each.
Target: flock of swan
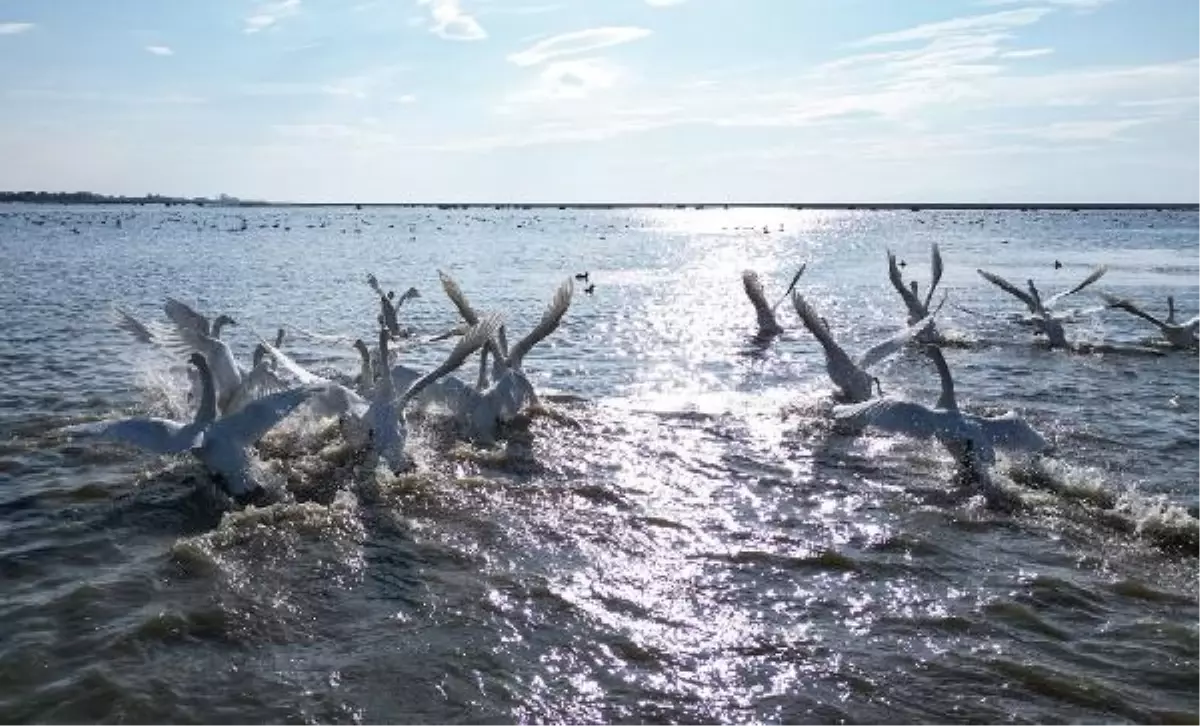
(236, 404)
(971, 440)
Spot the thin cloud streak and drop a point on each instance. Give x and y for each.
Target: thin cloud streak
(579, 41)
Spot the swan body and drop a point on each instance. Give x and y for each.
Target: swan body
(849, 376)
(1179, 335)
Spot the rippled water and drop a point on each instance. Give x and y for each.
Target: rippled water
(682, 540)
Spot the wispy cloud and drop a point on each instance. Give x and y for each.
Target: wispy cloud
(1075, 4)
(268, 14)
(15, 28)
(571, 79)
(1027, 53)
(521, 9)
(1091, 130)
(992, 22)
(159, 50)
(580, 41)
(664, 3)
(406, 98)
(450, 22)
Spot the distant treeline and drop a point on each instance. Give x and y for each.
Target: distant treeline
(93, 198)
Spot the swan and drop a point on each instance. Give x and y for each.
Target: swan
(221, 444)
(1179, 335)
(768, 326)
(387, 308)
(971, 439)
(227, 375)
(379, 427)
(329, 398)
(1047, 323)
(184, 316)
(478, 410)
(850, 377)
(918, 308)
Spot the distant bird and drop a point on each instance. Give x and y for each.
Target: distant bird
(590, 288)
(581, 276)
(1057, 265)
(903, 263)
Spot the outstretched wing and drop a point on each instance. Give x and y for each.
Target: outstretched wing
(471, 342)
(1012, 433)
(260, 381)
(131, 325)
(550, 321)
(754, 291)
(935, 268)
(455, 293)
(374, 283)
(898, 282)
(157, 435)
(1129, 307)
(1096, 275)
(893, 344)
(895, 416)
(292, 368)
(258, 417)
(1010, 288)
(185, 318)
(791, 286)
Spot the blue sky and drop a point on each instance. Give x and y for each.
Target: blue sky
(604, 100)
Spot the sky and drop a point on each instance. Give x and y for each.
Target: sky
(604, 100)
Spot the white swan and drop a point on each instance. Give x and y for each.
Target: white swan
(329, 398)
(388, 308)
(972, 440)
(380, 427)
(221, 444)
(1047, 323)
(768, 325)
(1179, 335)
(478, 411)
(918, 308)
(850, 377)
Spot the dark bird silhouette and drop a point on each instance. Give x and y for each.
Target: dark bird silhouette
(590, 288)
(1057, 265)
(581, 276)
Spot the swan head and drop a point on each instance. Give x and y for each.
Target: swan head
(361, 347)
(259, 352)
(223, 320)
(279, 335)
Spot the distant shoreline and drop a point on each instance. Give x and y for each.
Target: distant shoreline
(86, 198)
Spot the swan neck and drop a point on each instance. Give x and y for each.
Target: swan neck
(946, 400)
(483, 381)
(208, 395)
(217, 325)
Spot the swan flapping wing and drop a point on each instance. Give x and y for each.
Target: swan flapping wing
(911, 301)
(258, 417)
(1010, 288)
(475, 339)
(123, 320)
(791, 286)
(1096, 275)
(894, 415)
(455, 293)
(291, 368)
(185, 317)
(754, 291)
(1130, 307)
(935, 272)
(550, 321)
(889, 347)
(157, 435)
(260, 381)
(1011, 433)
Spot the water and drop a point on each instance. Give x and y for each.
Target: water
(683, 541)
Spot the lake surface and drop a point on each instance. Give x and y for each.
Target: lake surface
(684, 540)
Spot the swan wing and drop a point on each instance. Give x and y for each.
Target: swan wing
(455, 293)
(292, 368)
(894, 415)
(754, 291)
(258, 417)
(409, 294)
(791, 286)
(471, 342)
(335, 400)
(893, 344)
(1129, 307)
(259, 382)
(185, 317)
(131, 325)
(1011, 432)
(935, 271)
(550, 321)
(1096, 275)
(157, 435)
(898, 282)
(1010, 288)
(374, 283)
